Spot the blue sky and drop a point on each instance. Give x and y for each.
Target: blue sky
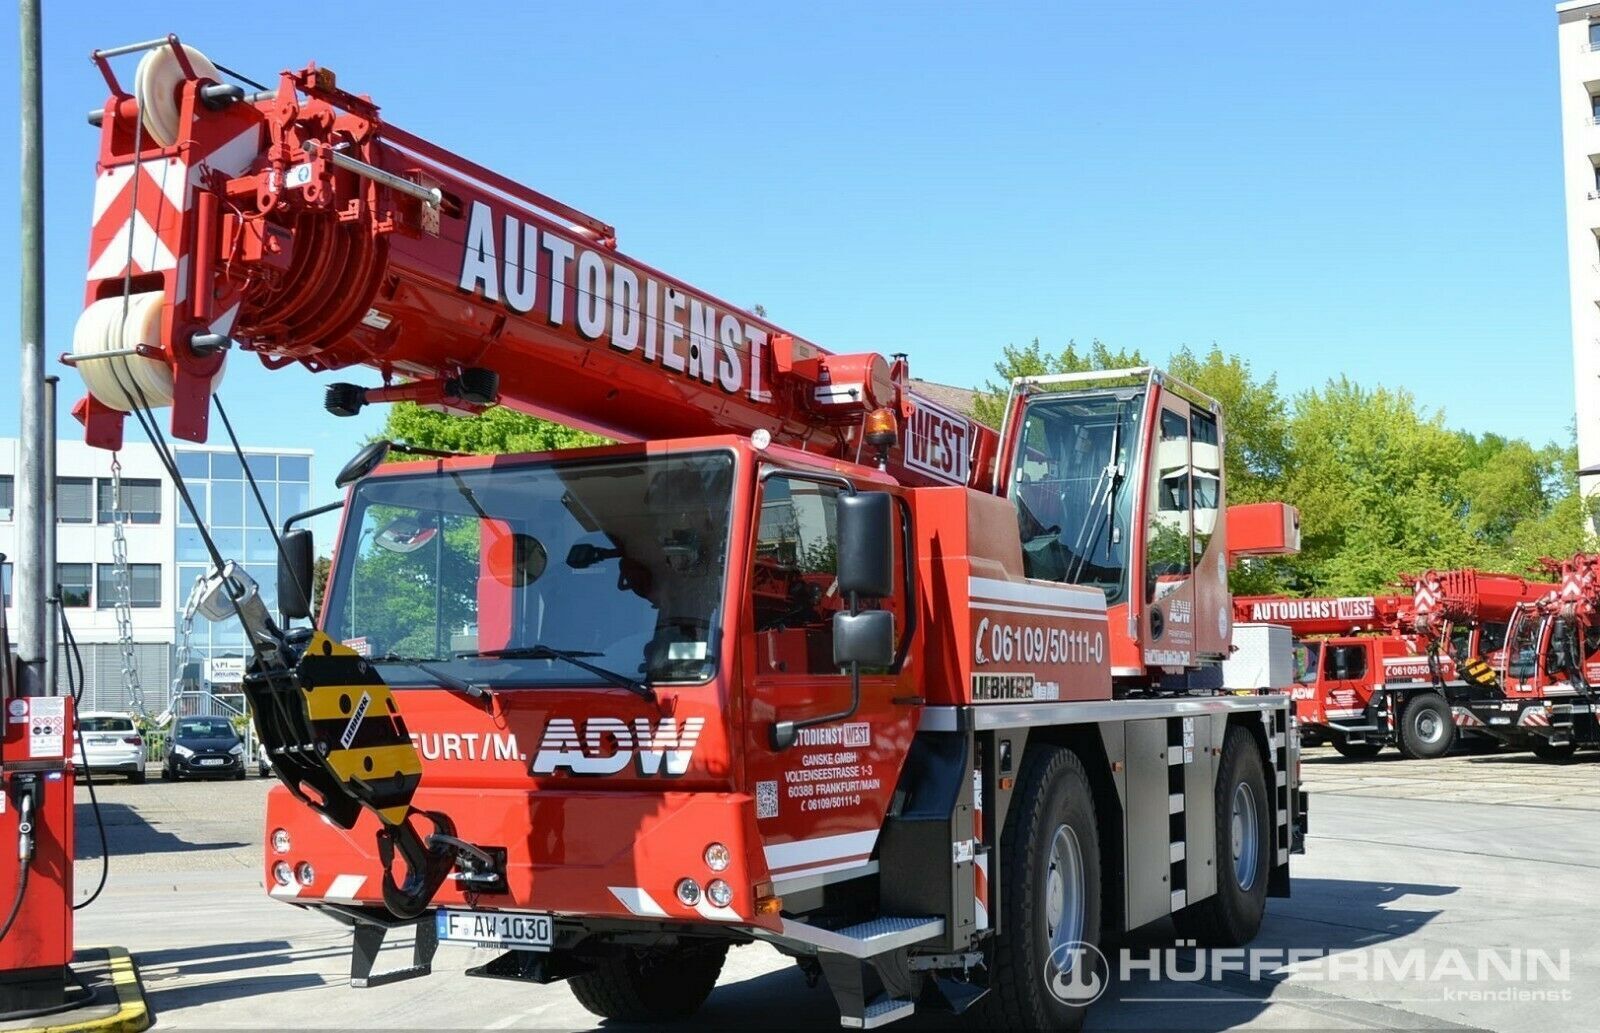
(1374, 190)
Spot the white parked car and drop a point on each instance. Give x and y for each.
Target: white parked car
(112, 743)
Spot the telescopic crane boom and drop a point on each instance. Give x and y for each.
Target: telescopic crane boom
(301, 226)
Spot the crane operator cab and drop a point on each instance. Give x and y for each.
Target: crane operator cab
(1097, 507)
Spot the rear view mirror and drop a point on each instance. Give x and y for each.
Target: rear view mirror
(362, 463)
(865, 638)
(866, 552)
(295, 563)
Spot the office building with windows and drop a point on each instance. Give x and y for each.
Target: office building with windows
(1578, 41)
(164, 551)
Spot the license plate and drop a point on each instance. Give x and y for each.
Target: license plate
(496, 928)
(212, 762)
(1499, 720)
(1580, 708)
(100, 740)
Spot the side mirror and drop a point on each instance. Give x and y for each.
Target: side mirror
(362, 463)
(295, 565)
(865, 638)
(866, 550)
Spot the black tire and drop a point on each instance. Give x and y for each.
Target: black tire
(1053, 800)
(651, 986)
(1355, 750)
(1544, 749)
(1426, 727)
(168, 774)
(241, 774)
(1232, 916)
(136, 777)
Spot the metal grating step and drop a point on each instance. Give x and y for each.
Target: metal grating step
(867, 939)
(880, 1013)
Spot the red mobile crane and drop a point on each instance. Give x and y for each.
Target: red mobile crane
(779, 667)
(1435, 650)
(1539, 690)
(1361, 683)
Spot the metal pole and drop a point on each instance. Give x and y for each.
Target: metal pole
(52, 628)
(29, 588)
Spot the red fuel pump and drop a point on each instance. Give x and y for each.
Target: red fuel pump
(35, 845)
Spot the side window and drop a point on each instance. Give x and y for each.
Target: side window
(1491, 637)
(1460, 641)
(1205, 480)
(794, 578)
(1168, 555)
(1347, 663)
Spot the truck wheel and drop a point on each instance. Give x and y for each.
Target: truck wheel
(136, 777)
(651, 986)
(1047, 964)
(1232, 916)
(1426, 728)
(1544, 749)
(1355, 750)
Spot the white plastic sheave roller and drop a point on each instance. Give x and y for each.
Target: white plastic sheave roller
(123, 381)
(155, 87)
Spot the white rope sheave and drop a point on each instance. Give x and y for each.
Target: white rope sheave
(124, 381)
(156, 83)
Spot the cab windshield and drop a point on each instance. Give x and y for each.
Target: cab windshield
(564, 573)
(1070, 487)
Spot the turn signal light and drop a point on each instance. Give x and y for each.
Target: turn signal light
(769, 905)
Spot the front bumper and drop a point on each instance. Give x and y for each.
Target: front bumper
(111, 763)
(584, 855)
(231, 764)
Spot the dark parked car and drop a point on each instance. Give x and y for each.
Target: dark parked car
(203, 746)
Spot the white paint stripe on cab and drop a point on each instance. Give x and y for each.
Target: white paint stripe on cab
(345, 888)
(637, 901)
(820, 849)
(1037, 593)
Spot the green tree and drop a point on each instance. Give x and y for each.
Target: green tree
(1377, 481)
(1031, 360)
(319, 581)
(497, 431)
(1256, 424)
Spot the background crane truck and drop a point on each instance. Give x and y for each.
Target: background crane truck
(1541, 690)
(1396, 670)
(1360, 684)
(779, 666)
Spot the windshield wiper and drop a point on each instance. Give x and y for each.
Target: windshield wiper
(425, 666)
(573, 657)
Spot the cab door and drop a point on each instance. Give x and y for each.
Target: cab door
(1169, 612)
(820, 802)
(1346, 681)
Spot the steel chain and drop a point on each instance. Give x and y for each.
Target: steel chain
(122, 591)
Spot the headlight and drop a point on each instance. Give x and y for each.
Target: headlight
(282, 874)
(238, 749)
(719, 893)
(183, 751)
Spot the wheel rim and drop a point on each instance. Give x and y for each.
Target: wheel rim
(1063, 892)
(1245, 835)
(1429, 728)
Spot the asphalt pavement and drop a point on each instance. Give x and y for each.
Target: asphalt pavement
(1442, 895)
